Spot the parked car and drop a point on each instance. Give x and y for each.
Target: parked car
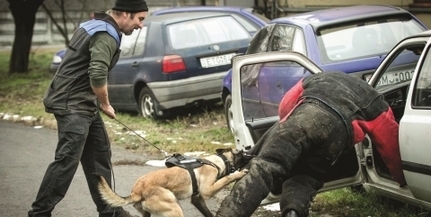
(138, 83)
(350, 39)
(175, 60)
(251, 21)
(56, 60)
(403, 78)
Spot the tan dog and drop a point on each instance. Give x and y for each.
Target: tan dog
(157, 192)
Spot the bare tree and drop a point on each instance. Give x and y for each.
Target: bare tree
(24, 15)
(61, 28)
(62, 23)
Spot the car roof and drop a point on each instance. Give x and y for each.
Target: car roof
(331, 16)
(199, 8)
(174, 17)
(248, 12)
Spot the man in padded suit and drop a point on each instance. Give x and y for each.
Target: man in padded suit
(322, 115)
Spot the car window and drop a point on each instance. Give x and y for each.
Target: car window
(282, 38)
(245, 20)
(362, 39)
(259, 42)
(422, 89)
(140, 42)
(299, 42)
(206, 31)
(127, 45)
(287, 38)
(264, 84)
(401, 67)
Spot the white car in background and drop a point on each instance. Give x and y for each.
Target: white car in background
(404, 78)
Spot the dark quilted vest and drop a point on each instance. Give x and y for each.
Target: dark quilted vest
(70, 90)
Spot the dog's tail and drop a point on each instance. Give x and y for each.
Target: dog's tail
(112, 198)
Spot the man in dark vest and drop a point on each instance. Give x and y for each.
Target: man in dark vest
(75, 96)
(321, 116)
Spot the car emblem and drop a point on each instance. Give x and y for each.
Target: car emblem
(216, 47)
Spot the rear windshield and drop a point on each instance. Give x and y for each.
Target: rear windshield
(363, 39)
(207, 31)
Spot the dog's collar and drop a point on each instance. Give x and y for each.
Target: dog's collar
(229, 168)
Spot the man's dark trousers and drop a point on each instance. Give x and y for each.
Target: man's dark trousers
(81, 138)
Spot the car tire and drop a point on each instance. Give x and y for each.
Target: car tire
(228, 112)
(147, 104)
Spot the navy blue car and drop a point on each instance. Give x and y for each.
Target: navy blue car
(351, 39)
(56, 60)
(179, 59)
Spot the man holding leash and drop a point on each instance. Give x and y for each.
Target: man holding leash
(321, 116)
(75, 96)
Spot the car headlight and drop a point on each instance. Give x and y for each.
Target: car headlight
(56, 59)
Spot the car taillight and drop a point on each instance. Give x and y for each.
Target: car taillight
(172, 63)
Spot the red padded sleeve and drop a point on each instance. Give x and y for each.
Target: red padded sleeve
(383, 131)
(290, 100)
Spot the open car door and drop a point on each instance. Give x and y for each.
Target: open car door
(404, 80)
(415, 131)
(250, 76)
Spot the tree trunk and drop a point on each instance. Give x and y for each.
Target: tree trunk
(24, 15)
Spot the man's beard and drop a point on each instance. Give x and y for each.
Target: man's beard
(129, 32)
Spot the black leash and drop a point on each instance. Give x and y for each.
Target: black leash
(128, 128)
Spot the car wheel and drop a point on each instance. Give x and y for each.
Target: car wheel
(228, 112)
(147, 104)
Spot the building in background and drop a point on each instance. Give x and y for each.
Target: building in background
(46, 32)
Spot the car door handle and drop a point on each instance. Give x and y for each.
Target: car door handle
(135, 64)
(397, 102)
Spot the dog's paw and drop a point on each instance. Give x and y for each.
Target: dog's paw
(240, 173)
(244, 171)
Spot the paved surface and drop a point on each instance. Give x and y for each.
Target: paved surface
(25, 153)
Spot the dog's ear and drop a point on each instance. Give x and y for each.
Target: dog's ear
(241, 158)
(247, 156)
(220, 151)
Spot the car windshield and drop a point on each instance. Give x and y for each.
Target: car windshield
(207, 31)
(364, 39)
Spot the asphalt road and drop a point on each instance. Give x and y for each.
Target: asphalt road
(25, 153)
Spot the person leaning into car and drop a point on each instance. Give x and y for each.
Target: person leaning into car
(320, 117)
(77, 93)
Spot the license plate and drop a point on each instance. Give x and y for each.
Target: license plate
(208, 62)
(396, 77)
